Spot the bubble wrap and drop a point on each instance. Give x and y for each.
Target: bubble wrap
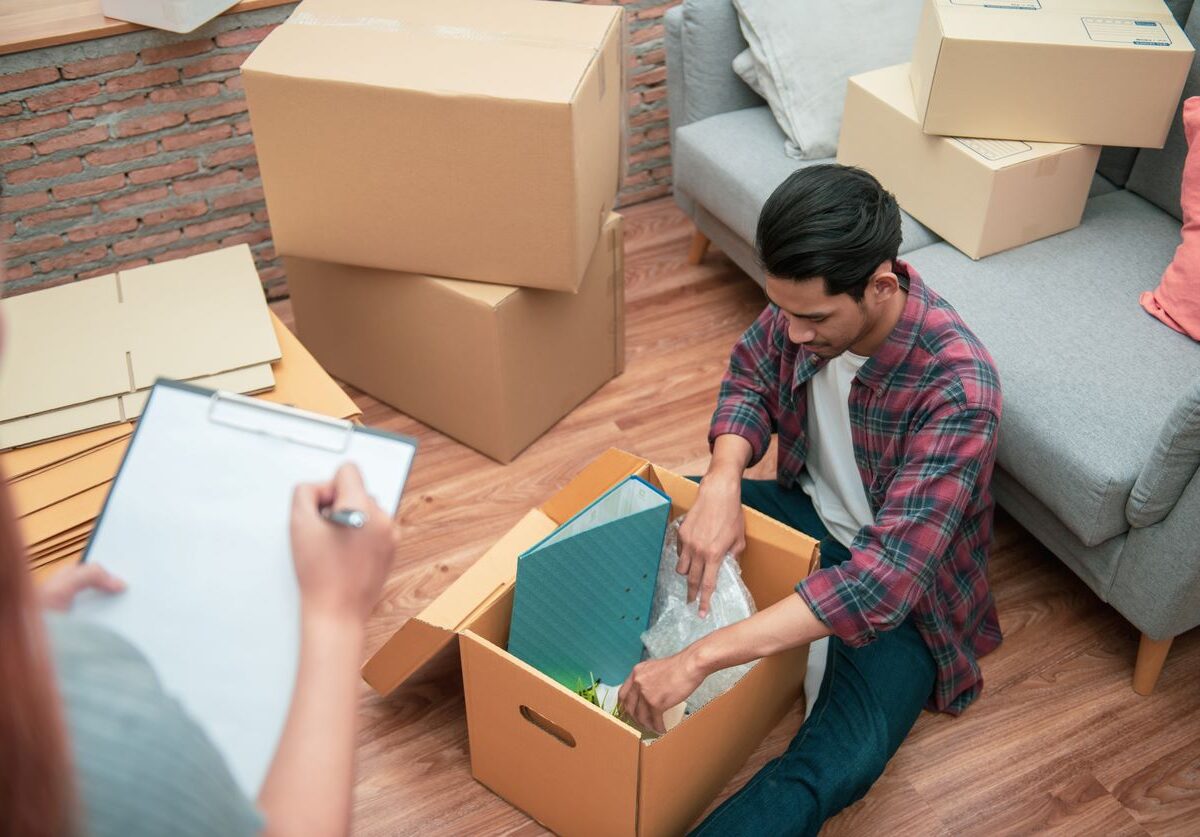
(675, 624)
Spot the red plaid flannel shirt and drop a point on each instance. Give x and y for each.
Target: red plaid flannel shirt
(923, 414)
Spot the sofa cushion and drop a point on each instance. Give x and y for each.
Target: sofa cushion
(732, 162)
(1088, 378)
(710, 38)
(1157, 173)
(803, 53)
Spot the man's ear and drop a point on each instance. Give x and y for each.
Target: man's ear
(885, 283)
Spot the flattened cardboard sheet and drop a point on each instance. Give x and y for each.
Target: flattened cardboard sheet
(75, 352)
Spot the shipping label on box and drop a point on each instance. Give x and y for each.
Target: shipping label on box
(981, 195)
(567, 763)
(1076, 71)
(472, 139)
(490, 365)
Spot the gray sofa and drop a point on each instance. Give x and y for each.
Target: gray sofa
(1100, 440)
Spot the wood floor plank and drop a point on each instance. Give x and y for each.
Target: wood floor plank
(1059, 743)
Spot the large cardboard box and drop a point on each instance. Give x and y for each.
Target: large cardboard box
(573, 767)
(1100, 72)
(983, 196)
(493, 366)
(475, 139)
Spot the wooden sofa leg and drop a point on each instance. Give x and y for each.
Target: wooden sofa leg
(699, 248)
(1152, 653)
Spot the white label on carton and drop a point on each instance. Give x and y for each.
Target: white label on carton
(990, 149)
(1025, 5)
(1126, 30)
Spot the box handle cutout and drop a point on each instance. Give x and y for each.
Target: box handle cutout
(547, 726)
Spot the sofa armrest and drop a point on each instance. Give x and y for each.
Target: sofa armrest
(1157, 580)
(1173, 463)
(702, 39)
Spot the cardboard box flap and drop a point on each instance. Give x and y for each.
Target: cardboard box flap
(604, 472)
(486, 293)
(532, 51)
(435, 627)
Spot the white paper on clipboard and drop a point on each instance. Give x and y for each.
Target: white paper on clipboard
(197, 525)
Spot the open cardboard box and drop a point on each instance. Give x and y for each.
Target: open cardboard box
(565, 762)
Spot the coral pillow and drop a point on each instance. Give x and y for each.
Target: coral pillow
(1176, 300)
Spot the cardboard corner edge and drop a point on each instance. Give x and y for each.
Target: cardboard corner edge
(603, 471)
(406, 651)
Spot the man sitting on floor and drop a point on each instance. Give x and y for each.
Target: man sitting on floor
(886, 406)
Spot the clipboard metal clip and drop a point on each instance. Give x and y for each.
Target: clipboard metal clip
(280, 421)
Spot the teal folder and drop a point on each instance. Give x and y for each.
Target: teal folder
(584, 592)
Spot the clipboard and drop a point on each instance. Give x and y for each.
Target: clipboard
(197, 524)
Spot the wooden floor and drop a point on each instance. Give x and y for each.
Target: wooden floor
(1058, 743)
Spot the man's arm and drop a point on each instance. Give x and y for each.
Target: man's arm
(739, 435)
(714, 526)
(894, 559)
(654, 685)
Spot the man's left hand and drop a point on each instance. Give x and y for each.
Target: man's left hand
(655, 686)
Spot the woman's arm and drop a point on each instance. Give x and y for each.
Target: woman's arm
(340, 571)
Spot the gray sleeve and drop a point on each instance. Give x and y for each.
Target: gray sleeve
(142, 765)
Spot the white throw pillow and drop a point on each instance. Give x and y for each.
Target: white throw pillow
(743, 65)
(803, 51)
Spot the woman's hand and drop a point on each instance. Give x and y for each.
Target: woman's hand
(60, 590)
(341, 570)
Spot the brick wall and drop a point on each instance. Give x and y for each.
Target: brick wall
(137, 148)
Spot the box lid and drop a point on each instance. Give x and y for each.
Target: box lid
(1112, 24)
(508, 49)
(435, 627)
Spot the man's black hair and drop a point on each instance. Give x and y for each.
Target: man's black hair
(830, 221)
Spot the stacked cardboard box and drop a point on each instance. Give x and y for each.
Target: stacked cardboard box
(991, 135)
(407, 145)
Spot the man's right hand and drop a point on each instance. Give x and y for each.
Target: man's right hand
(714, 526)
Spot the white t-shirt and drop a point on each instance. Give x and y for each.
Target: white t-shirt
(831, 476)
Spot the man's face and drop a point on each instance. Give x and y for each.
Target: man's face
(825, 325)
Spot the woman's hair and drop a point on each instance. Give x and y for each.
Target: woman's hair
(36, 787)
(829, 221)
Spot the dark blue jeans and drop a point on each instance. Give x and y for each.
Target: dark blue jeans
(869, 700)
